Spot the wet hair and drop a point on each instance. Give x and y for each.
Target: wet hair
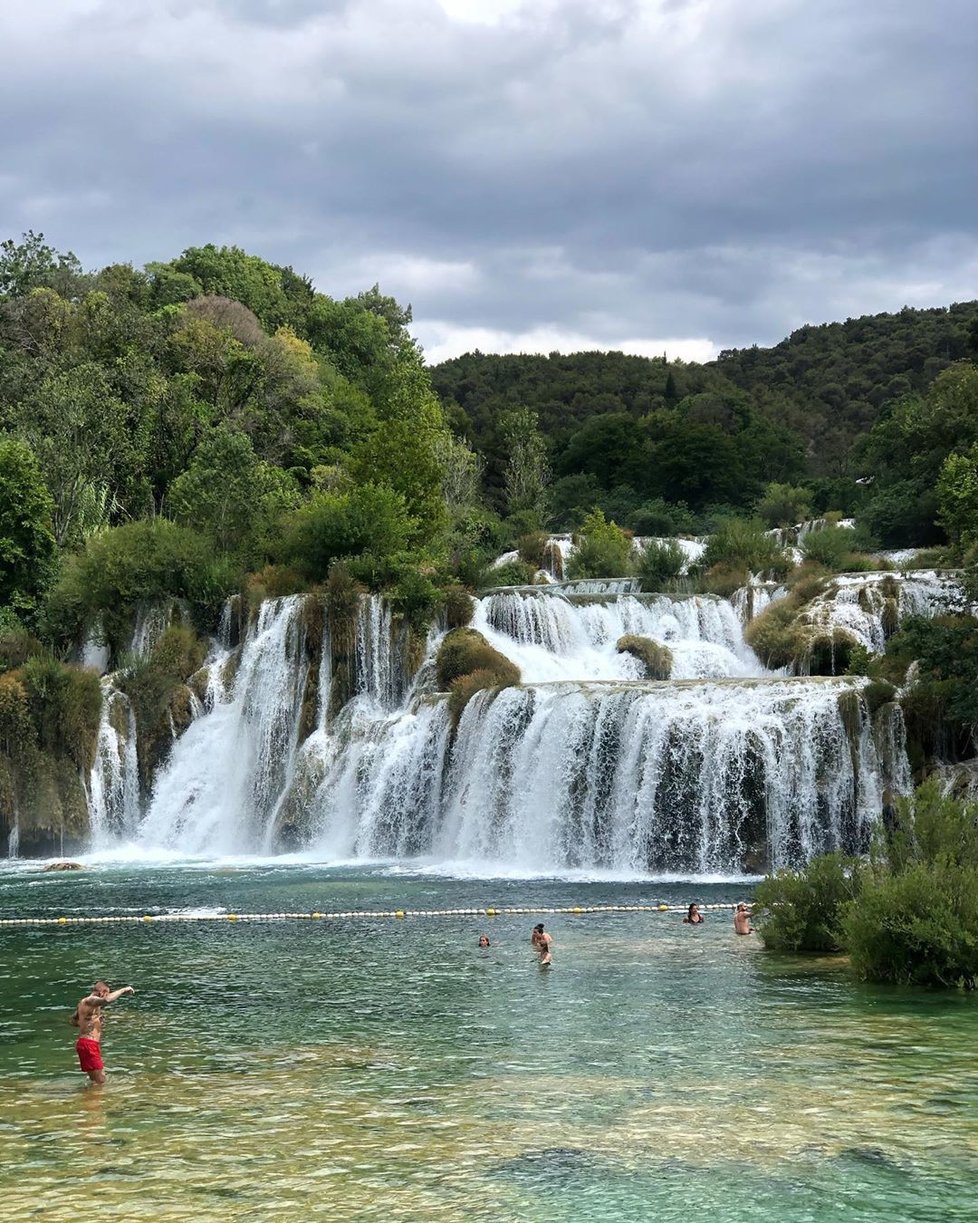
(539, 927)
(484, 940)
(99, 982)
(689, 912)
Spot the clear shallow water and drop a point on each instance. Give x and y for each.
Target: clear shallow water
(388, 1069)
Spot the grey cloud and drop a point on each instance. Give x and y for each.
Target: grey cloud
(626, 169)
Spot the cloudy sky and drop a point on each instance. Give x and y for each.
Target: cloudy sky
(680, 175)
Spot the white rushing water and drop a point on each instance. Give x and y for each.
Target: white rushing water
(584, 766)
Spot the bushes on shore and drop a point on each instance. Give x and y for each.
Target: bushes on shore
(908, 917)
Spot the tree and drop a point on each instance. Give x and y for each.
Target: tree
(85, 442)
(957, 496)
(527, 469)
(784, 505)
(27, 543)
(229, 494)
(32, 264)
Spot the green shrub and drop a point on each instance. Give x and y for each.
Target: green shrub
(66, 705)
(417, 599)
(741, 544)
(660, 563)
(918, 927)
(802, 910)
(532, 548)
(459, 607)
(464, 651)
(513, 573)
(655, 658)
(776, 637)
(16, 646)
(603, 550)
(835, 548)
(723, 579)
(877, 692)
(141, 562)
(784, 505)
(367, 520)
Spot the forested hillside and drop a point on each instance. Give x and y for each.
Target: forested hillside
(648, 440)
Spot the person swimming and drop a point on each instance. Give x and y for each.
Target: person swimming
(694, 917)
(484, 940)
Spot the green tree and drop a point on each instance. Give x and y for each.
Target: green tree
(784, 505)
(32, 264)
(603, 550)
(957, 497)
(27, 542)
(229, 494)
(527, 469)
(85, 442)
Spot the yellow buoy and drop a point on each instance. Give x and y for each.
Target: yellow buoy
(663, 908)
(399, 913)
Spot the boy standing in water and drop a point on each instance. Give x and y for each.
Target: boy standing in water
(88, 1018)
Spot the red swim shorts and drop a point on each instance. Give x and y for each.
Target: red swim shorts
(89, 1054)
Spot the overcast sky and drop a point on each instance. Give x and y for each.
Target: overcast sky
(680, 175)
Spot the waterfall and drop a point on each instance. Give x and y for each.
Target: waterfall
(229, 771)
(703, 777)
(13, 839)
(870, 606)
(552, 638)
(113, 784)
(585, 765)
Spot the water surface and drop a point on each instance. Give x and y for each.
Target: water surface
(374, 1068)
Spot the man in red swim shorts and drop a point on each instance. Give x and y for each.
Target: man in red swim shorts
(88, 1017)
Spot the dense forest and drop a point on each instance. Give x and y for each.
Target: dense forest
(663, 446)
(215, 426)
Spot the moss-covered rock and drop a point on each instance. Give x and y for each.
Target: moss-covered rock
(466, 687)
(464, 651)
(776, 637)
(654, 657)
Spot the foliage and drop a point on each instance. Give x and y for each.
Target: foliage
(527, 470)
(803, 910)
(656, 659)
(27, 544)
(828, 547)
(918, 927)
(65, 705)
(942, 704)
(463, 651)
(660, 563)
(784, 505)
(603, 549)
(370, 521)
(122, 568)
(229, 495)
(745, 544)
(957, 496)
(513, 573)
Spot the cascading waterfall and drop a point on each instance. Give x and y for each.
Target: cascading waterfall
(113, 784)
(869, 606)
(585, 765)
(551, 637)
(222, 785)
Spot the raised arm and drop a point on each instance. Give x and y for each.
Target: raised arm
(100, 1000)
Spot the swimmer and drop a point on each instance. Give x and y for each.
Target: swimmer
(88, 1018)
(742, 920)
(483, 940)
(546, 959)
(694, 917)
(539, 939)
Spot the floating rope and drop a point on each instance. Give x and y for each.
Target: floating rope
(159, 918)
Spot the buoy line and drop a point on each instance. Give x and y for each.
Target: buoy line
(489, 911)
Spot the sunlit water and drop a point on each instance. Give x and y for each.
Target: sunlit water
(375, 1068)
